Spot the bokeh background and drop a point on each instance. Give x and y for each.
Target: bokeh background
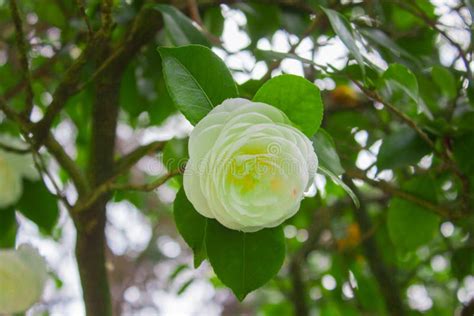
(340, 260)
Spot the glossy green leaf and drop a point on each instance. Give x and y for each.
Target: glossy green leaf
(445, 81)
(298, 98)
(462, 262)
(39, 205)
(197, 80)
(179, 27)
(263, 19)
(191, 225)
(245, 261)
(344, 30)
(273, 55)
(383, 40)
(400, 149)
(8, 227)
(130, 99)
(400, 77)
(175, 154)
(214, 21)
(326, 151)
(463, 147)
(340, 183)
(409, 224)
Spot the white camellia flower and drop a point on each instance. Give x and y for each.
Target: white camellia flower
(23, 274)
(248, 167)
(13, 168)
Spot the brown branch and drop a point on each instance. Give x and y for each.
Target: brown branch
(42, 169)
(14, 150)
(67, 163)
(39, 72)
(421, 14)
(90, 224)
(110, 185)
(299, 294)
(194, 11)
(67, 87)
(374, 96)
(392, 190)
(468, 309)
(82, 12)
(444, 154)
(134, 156)
(56, 150)
(90, 217)
(147, 187)
(23, 50)
(106, 12)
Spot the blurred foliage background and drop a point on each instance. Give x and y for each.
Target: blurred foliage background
(82, 79)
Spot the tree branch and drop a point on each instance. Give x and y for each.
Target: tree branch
(110, 186)
(82, 11)
(390, 189)
(133, 157)
(67, 163)
(67, 87)
(468, 309)
(23, 49)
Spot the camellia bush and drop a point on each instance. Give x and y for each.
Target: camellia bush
(280, 157)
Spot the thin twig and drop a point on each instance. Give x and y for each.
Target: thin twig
(374, 96)
(67, 163)
(147, 187)
(194, 12)
(134, 156)
(394, 191)
(110, 186)
(421, 14)
(14, 150)
(82, 11)
(42, 169)
(58, 152)
(107, 15)
(23, 50)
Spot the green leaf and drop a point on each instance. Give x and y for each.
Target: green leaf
(444, 79)
(273, 55)
(411, 225)
(326, 151)
(344, 30)
(185, 286)
(214, 21)
(298, 98)
(130, 99)
(339, 182)
(384, 41)
(400, 77)
(39, 205)
(262, 19)
(175, 154)
(295, 22)
(177, 271)
(245, 261)
(179, 27)
(462, 150)
(191, 225)
(8, 228)
(400, 149)
(197, 80)
(462, 263)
